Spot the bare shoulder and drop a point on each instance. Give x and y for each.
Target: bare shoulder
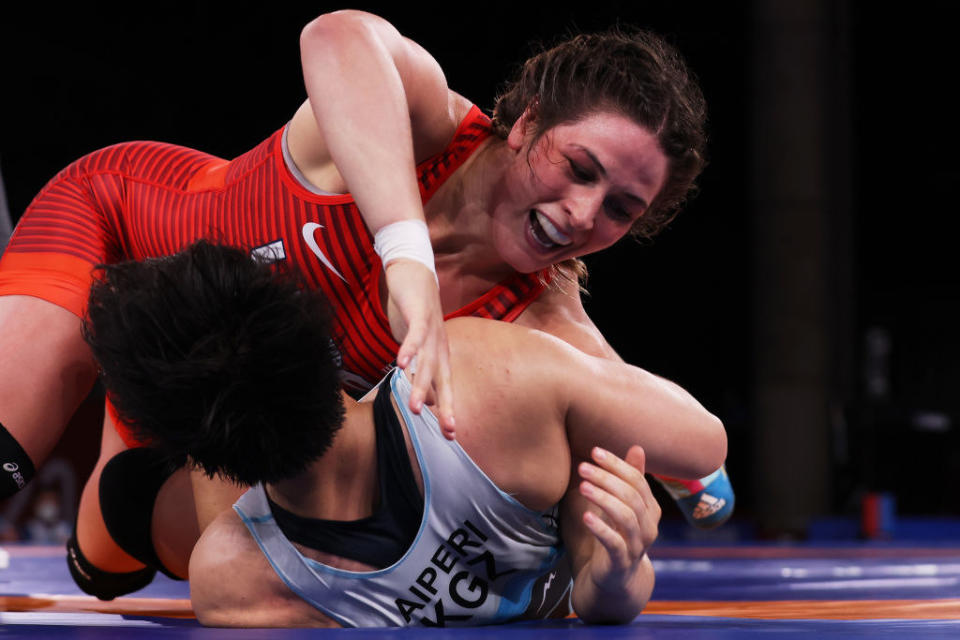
(233, 585)
(509, 382)
(435, 111)
(506, 368)
(559, 311)
(470, 336)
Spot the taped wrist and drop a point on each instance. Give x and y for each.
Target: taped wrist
(16, 468)
(129, 484)
(408, 239)
(105, 585)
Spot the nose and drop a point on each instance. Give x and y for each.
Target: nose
(583, 207)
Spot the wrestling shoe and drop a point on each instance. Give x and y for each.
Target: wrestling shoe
(706, 503)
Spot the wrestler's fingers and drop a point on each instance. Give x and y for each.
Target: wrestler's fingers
(636, 457)
(412, 343)
(620, 478)
(421, 380)
(610, 539)
(626, 519)
(443, 383)
(630, 469)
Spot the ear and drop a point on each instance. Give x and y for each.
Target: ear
(523, 128)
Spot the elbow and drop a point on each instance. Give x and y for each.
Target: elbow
(708, 452)
(206, 610)
(205, 617)
(714, 441)
(328, 28)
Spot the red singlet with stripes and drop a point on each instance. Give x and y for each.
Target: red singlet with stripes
(144, 199)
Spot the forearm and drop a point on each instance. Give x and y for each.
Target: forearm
(625, 405)
(595, 605)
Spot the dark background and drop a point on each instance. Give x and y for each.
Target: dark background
(214, 77)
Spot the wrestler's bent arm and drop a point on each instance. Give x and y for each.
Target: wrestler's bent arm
(379, 102)
(622, 405)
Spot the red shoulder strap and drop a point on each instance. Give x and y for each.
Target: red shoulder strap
(433, 172)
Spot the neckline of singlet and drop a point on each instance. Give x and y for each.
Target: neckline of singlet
(382, 538)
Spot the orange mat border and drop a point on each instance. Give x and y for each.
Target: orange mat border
(42, 603)
(827, 553)
(943, 609)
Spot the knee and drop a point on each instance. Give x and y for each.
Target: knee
(105, 585)
(129, 484)
(128, 487)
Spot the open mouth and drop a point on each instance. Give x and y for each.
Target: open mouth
(545, 233)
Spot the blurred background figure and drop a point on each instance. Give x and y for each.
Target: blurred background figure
(43, 513)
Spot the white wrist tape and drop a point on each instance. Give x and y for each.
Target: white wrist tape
(405, 239)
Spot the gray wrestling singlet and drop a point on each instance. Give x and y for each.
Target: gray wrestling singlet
(479, 557)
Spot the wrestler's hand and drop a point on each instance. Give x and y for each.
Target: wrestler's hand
(623, 523)
(416, 320)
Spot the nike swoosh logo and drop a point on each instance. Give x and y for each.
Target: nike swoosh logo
(308, 230)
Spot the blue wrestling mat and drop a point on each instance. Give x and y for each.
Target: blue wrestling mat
(729, 592)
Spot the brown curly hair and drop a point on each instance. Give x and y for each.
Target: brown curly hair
(632, 72)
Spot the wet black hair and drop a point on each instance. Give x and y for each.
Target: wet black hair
(217, 359)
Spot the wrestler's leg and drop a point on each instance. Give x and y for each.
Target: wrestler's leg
(92, 537)
(46, 370)
(148, 510)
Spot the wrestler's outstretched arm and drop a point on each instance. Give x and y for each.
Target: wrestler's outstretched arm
(379, 102)
(609, 515)
(606, 409)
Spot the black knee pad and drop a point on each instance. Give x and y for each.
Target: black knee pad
(16, 468)
(105, 585)
(129, 485)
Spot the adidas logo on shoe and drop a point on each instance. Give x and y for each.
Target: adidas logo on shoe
(708, 506)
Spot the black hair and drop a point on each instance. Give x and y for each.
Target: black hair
(215, 358)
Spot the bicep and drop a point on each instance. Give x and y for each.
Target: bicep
(623, 405)
(355, 41)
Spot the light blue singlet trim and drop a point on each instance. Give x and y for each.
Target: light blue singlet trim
(282, 575)
(466, 457)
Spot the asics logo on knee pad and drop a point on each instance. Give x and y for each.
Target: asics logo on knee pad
(14, 471)
(16, 465)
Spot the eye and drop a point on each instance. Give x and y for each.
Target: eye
(579, 173)
(617, 212)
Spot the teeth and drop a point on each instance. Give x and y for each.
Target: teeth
(555, 235)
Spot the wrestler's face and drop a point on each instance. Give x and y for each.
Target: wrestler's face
(575, 190)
